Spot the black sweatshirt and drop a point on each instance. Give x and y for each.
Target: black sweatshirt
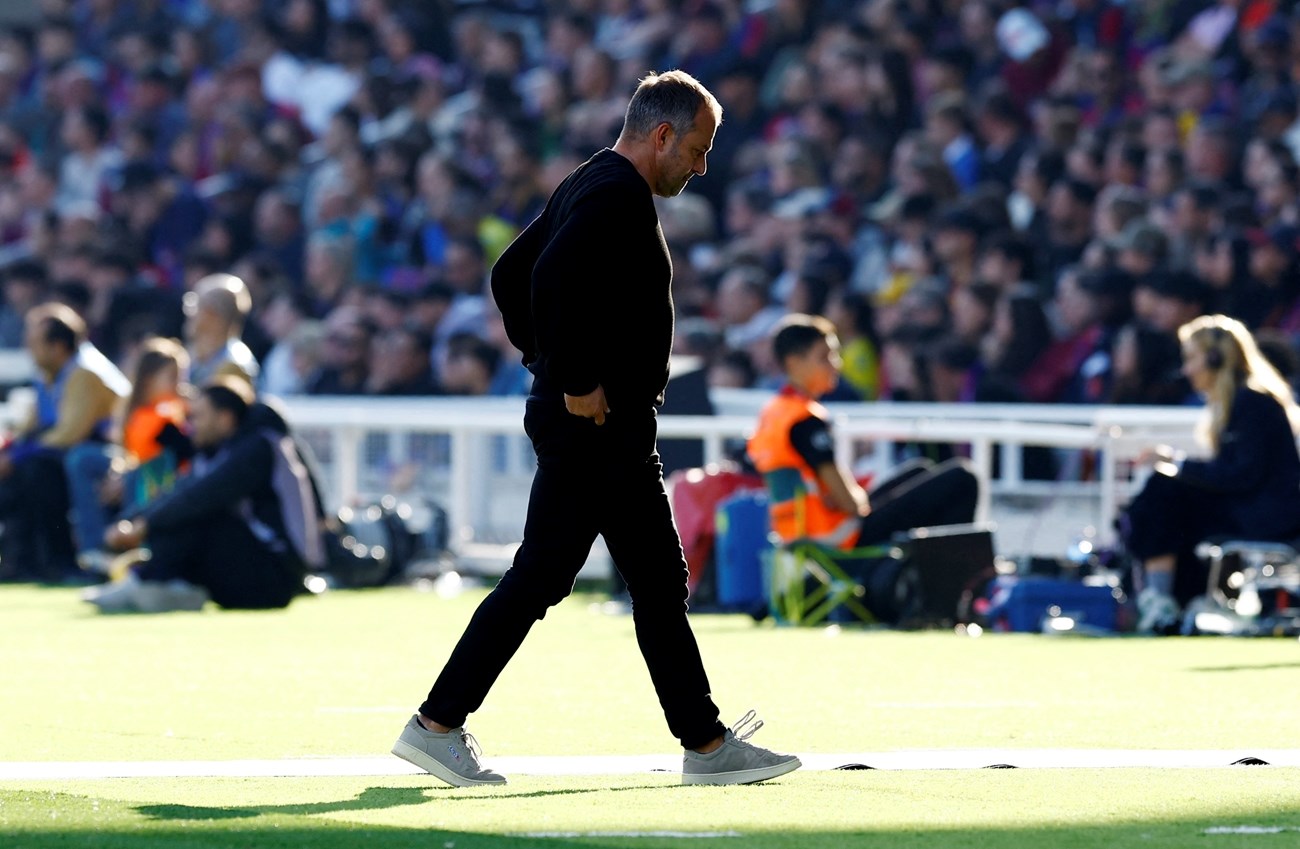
(585, 291)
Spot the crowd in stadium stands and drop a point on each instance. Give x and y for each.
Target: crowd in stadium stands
(992, 201)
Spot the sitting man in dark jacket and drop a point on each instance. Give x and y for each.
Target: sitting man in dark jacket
(242, 528)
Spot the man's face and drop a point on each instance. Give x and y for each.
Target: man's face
(684, 156)
(208, 425)
(42, 352)
(200, 320)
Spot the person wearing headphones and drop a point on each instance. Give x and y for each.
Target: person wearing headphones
(1248, 485)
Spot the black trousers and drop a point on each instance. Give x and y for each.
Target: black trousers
(1169, 517)
(220, 554)
(34, 506)
(921, 494)
(590, 480)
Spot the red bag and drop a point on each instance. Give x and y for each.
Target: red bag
(695, 495)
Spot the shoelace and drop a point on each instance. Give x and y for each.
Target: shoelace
(471, 745)
(746, 726)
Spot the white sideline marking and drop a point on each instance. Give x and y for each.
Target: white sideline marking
(1250, 829)
(913, 759)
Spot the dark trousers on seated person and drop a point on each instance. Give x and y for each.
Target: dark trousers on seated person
(921, 494)
(34, 509)
(591, 480)
(1168, 516)
(221, 554)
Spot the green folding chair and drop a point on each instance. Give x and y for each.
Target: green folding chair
(807, 581)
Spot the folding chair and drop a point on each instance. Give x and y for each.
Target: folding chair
(809, 582)
(1251, 588)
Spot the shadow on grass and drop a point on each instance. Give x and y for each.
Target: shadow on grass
(1246, 667)
(370, 799)
(45, 820)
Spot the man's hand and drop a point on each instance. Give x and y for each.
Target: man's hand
(6, 465)
(589, 406)
(125, 535)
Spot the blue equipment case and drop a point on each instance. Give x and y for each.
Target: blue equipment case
(741, 526)
(1022, 603)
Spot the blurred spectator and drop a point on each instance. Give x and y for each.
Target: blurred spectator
(853, 317)
(744, 305)
(511, 376)
(24, 287)
(286, 311)
(1247, 487)
(345, 354)
(732, 369)
(401, 363)
(242, 531)
(1169, 299)
(149, 422)
(1146, 365)
(77, 392)
(1020, 333)
(349, 149)
(215, 313)
(1075, 367)
(328, 271)
(470, 365)
(90, 161)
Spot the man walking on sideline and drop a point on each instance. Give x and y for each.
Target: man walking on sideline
(585, 294)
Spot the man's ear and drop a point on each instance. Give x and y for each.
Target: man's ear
(662, 134)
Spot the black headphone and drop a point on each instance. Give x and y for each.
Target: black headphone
(1214, 353)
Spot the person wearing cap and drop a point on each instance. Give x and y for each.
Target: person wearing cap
(1246, 485)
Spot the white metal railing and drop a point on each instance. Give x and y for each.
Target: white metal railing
(865, 433)
(476, 470)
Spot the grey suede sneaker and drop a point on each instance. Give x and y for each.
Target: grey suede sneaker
(451, 757)
(736, 761)
(166, 596)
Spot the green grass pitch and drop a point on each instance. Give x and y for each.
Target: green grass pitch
(338, 675)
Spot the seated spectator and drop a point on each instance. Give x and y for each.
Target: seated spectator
(1020, 334)
(1057, 373)
(854, 316)
(1146, 368)
(1248, 485)
(344, 363)
(793, 448)
(732, 369)
(1169, 299)
(77, 391)
(241, 528)
(471, 364)
(401, 363)
(24, 285)
(149, 458)
(215, 313)
(286, 311)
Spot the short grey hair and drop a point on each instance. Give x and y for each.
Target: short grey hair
(674, 97)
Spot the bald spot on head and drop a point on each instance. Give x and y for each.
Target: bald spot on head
(226, 297)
